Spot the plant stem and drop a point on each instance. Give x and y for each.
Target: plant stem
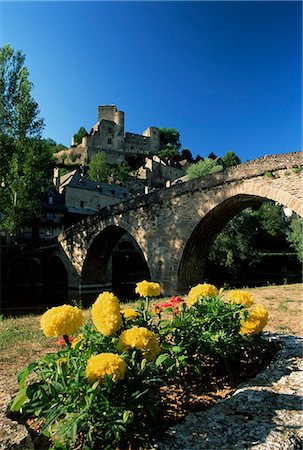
(65, 337)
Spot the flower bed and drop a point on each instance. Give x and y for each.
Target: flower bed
(112, 384)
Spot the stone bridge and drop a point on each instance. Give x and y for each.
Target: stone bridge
(175, 227)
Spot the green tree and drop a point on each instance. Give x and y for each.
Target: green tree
(169, 152)
(53, 146)
(186, 154)
(295, 237)
(230, 159)
(121, 172)
(270, 217)
(25, 169)
(203, 168)
(98, 169)
(19, 113)
(212, 156)
(169, 136)
(235, 244)
(77, 138)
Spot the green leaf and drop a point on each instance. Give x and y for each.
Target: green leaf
(161, 359)
(23, 374)
(176, 349)
(19, 400)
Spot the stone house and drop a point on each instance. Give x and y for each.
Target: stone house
(83, 196)
(156, 172)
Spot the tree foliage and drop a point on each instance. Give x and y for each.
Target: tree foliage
(19, 113)
(53, 146)
(270, 219)
(169, 152)
(77, 137)
(98, 169)
(169, 136)
(25, 169)
(121, 173)
(203, 168)
(235, 243)
(295, 237)
(186, 154)
(230, 159)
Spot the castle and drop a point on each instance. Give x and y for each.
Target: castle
(107, 135)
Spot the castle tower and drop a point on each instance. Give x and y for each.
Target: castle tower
(154, 134)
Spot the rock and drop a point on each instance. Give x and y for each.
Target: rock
(263, 414)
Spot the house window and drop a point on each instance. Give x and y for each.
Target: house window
(81, 203)
(50, 216)
(109, 130)
(50, 200)
(109, 141)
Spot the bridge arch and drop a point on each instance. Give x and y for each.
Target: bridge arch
(113, 258)
(213, 216)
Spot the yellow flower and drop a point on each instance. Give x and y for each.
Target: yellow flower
(142, 339)
(169, 338)
(106, 313)
(240, 297)
(148, 289)
(201, 290)
(129, 313)
(77, 340)
(256, 321)
(61, 361)
(105, 364)
(60, 320)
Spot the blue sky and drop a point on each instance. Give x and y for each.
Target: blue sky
(227, 75)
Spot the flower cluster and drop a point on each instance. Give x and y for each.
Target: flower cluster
(256, 321)
(173, 303)
(142, 339)
(61, 320)
(98, 366)
(240, 297)
(129, 313)
(148, 289)
(201, 290)
(106, 313)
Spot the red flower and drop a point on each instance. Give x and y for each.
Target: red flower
(61, 341)
(172, 303)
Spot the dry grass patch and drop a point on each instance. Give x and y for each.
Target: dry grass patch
(285, 306)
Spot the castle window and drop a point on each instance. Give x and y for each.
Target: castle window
(154, 132)
(50, 216)
(109, 141)
(109, 130)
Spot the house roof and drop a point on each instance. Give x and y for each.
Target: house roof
(75, 179)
